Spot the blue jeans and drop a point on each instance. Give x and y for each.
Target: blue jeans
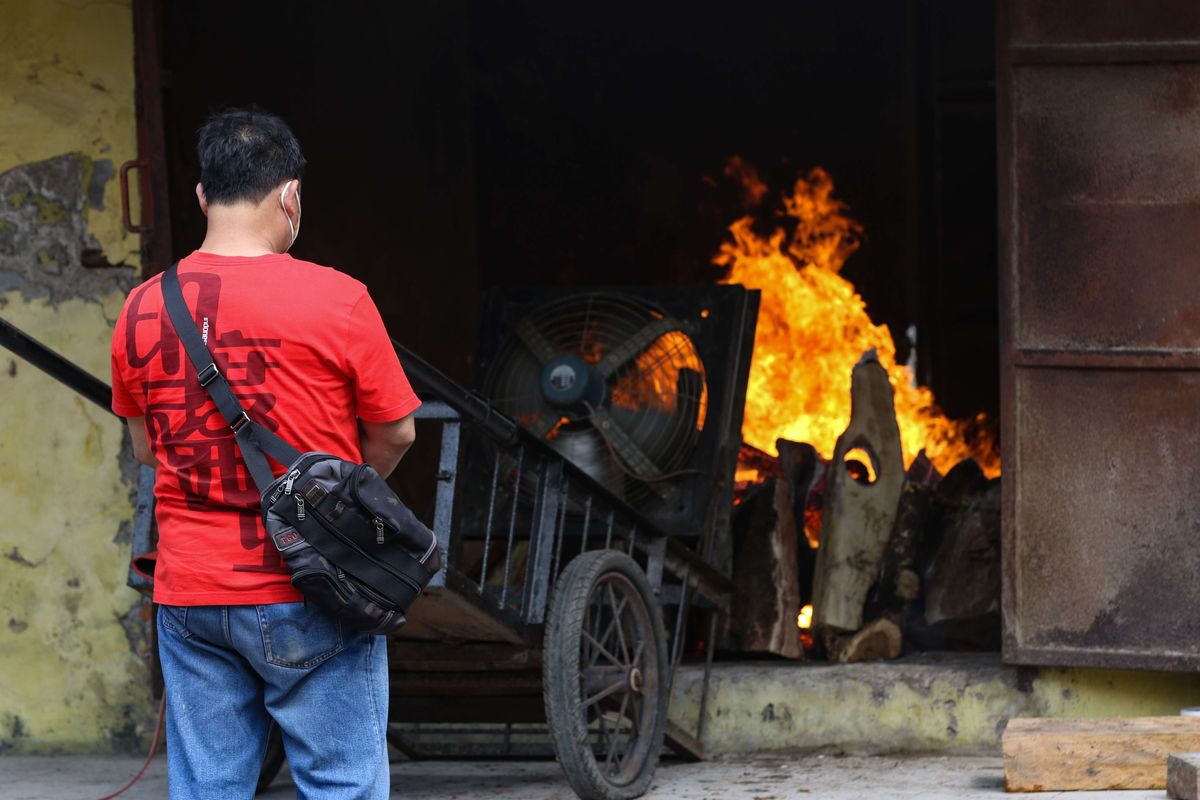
(230, 670)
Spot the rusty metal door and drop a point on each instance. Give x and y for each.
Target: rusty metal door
(1098, 107)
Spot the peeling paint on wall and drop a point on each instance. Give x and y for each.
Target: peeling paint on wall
(44, 233)
(73, 638)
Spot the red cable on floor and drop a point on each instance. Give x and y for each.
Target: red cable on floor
(162, 713)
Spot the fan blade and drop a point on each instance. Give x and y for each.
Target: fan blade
(629, 454)
(535, 340)
(642, 338)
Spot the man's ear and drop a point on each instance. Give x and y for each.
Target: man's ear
(291, 198)
(203, 200)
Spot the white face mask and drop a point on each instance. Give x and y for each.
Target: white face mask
(295, 229)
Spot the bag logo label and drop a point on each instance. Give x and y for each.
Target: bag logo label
(286, 539)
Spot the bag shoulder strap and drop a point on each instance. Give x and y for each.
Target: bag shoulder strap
(255, 441)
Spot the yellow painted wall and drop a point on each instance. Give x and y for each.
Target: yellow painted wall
(70, 678)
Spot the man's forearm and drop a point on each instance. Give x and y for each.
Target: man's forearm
(385, 443)
(382, 456)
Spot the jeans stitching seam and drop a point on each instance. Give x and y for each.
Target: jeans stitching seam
(265, 633)
(371, 691)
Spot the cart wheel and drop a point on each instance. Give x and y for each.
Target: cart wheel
(605, 676)
(272, 759)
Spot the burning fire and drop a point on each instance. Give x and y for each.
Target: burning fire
(804, 618)
(813, 327)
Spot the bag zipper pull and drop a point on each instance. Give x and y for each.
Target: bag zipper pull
(378, 531)
(299, 506)
(287, 487)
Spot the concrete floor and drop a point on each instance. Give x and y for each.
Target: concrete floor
(746, 778)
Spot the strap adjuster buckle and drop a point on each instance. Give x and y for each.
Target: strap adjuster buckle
(208, 374)
(240, 422)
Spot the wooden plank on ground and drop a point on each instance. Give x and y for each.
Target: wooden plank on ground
(1042, 755)
(684, 745)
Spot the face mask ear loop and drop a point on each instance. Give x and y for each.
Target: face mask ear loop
(295, 230)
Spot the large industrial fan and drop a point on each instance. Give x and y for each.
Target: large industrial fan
(641, 388)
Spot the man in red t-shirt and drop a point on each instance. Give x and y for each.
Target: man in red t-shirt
(306, 352)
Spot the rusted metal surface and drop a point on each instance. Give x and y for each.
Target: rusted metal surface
(152, 178)
(1091, 22)
(1099, 152)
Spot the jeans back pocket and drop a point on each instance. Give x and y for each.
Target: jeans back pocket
(299, 635)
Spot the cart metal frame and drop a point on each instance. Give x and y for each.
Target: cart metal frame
(472, 649)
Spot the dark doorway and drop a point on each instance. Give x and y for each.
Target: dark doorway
(456, 145)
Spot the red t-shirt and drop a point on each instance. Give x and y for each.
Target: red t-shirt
(305, 351)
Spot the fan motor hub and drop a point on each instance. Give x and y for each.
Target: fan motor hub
(569, 381)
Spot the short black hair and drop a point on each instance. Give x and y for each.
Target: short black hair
(245, 153)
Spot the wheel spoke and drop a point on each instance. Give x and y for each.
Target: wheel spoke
(635, 713)
(612, 750)
(602, 650)
(605, 692)
(619, 622)
(620, 720)
(599, 642)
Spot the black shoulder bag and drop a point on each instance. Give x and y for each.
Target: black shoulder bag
(353, 547)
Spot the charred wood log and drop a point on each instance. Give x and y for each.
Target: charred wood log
(766, 593)
(899, 580)
(802, 466)
(961, 572)
(879, 640)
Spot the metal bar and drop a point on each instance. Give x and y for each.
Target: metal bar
(436, 410)
(587, 523)
(632, 540)
(560, 532)
(676, 646)
(151, 137)
(143, 529)
(447, 478)
(670, 594)
(143, 228)
(541, 542)
(608, 535)
(487, 536)
(1106, 53)
(744, 323)
(655, 550)
(56, 366)
(710, 647)
(1105, 358)
(512, 523)
(470, 405)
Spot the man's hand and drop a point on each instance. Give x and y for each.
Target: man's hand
(141, 443)
(385, 443)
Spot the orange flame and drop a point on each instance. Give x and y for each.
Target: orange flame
(812, 329)
(804, 618)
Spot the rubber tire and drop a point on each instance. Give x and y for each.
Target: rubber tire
(273, 759)
(560, 674)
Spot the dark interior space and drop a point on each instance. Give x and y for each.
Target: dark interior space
(460, 145)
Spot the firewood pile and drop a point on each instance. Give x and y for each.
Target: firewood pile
(857, 558)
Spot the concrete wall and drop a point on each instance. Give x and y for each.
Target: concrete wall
(934, 703)
(72, 636)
